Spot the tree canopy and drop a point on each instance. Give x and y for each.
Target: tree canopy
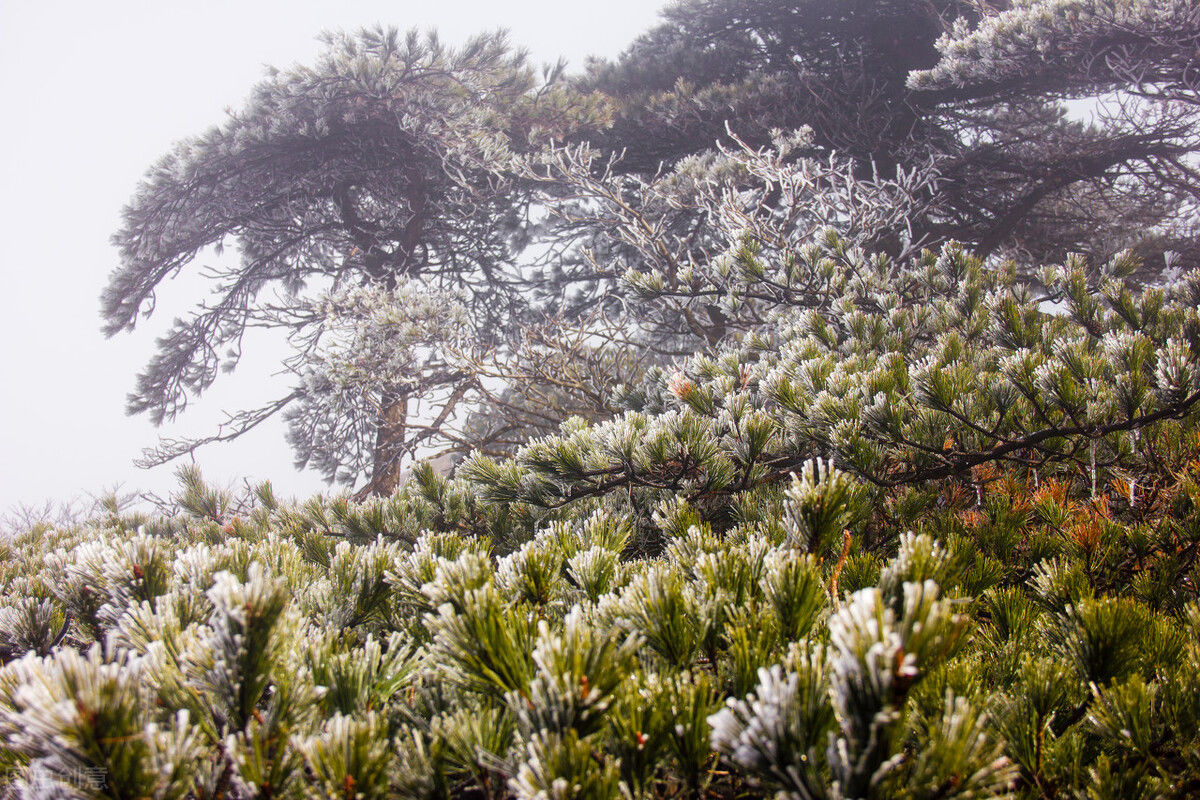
(604, 219)
(378, 165)
(1053, 126)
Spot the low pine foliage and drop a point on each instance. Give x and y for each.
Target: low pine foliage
(936, 537)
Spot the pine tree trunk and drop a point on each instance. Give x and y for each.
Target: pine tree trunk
(389, 445)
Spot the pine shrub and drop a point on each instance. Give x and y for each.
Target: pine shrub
(935, 537)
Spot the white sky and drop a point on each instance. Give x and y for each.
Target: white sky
(92, 93)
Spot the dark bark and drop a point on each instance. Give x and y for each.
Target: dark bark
(389, 445)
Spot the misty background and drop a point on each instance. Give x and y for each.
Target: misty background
(93, 93)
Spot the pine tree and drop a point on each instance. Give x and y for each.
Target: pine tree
(1054, 126)
(380, 169)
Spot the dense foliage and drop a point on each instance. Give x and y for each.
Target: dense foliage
(938, 540)
(872, 513)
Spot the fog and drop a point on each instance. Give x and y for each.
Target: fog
(93, 94)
